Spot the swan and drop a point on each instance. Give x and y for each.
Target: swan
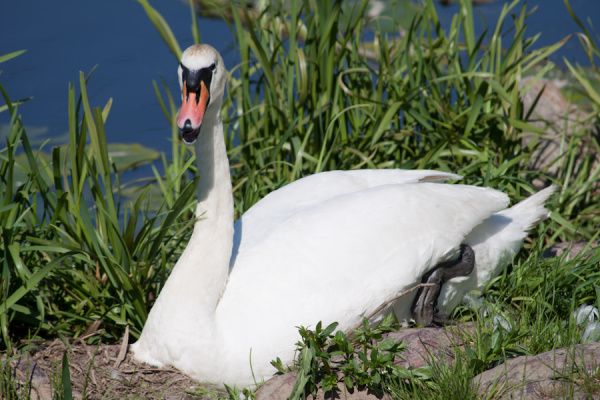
(333, 246)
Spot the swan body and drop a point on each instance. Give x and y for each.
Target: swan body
(329, 247)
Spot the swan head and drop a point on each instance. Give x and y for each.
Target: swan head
(202, 81)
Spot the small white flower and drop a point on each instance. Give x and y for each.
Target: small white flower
(500, 321)
(591, 332)
(473, 300)
(585, 314)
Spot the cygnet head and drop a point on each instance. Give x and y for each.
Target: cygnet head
(202, 81)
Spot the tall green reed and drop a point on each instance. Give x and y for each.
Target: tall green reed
(310, 93)
(74, 249)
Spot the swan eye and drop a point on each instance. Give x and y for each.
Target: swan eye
(213, 67)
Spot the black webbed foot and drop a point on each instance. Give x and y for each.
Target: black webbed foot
(424, 309)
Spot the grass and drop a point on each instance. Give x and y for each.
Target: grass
(308, 95)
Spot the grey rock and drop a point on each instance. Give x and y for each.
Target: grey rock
(29, 371)
(554, 374)
(280, 387)
(574, 248)
(424, 345)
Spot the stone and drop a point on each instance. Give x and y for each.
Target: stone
(574, 248)
(280, 387)
(555, 374)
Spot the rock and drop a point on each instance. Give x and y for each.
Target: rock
(553, 374)
(34, 377)
(425, 344)
(280, 387)
(574, 249)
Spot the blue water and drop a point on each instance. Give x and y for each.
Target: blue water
(64, 37)
(551, 19)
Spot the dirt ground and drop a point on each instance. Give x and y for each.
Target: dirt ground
(109, 372)
(99, 372)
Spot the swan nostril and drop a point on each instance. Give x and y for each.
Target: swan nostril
(187, 126)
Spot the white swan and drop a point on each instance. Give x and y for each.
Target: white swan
(330, 247)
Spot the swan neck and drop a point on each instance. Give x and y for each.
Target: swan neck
(204, 265)
(214, 188)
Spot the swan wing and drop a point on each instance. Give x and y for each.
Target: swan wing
(307, 192)
(339, 259)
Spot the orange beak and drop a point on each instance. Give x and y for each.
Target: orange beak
(192, 112)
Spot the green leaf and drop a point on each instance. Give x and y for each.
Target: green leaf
(66, 378)
(330, 328)
(386, 345)
(162, 27)
(6, 57)
(30, 284)
(349, 382)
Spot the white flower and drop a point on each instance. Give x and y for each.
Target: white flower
(500, 321)
(475, 302)
(585, 314)
(591, 332)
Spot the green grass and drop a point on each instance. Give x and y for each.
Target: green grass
(308, 95)
(72, 255)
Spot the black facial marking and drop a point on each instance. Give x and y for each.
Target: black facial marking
(192, 78)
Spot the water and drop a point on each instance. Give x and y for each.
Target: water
(551, 19)
(64, 37)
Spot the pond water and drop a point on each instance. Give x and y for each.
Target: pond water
(64, 37)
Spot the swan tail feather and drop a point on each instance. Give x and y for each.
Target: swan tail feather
(531, 211)
(495, 242)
